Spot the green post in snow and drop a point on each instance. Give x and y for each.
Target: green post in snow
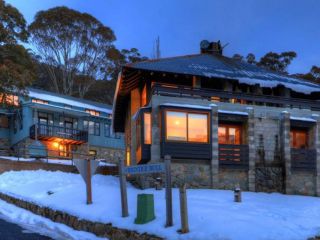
(145, 209)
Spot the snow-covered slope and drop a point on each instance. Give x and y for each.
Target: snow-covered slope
(212, 213)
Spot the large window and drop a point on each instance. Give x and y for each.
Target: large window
(186, 127)
(147, 128)
(45, 118)
(107, 130)
(229, 134)
(299, 138)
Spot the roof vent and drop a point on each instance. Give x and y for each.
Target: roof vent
(211, 47)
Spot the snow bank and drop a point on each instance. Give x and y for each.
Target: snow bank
(212, 213)
(41, 225)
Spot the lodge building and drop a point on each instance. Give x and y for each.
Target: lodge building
(50, 125)
(224, 122)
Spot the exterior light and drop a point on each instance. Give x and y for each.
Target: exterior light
(55, 144)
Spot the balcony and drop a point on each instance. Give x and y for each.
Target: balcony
(50, 132)
(303, 159)
(234, 156)
(229, 96)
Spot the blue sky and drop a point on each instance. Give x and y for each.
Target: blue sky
(247, 25)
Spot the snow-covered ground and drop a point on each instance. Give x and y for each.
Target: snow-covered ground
(212, 213)
(44, 226)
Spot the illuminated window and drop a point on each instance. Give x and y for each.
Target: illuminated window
(299, 139)
(147, 128)
(93, 112)
(35, 100)
(9, 99)
(229, 134)
(176, 123)
(197, 127)
(215, 99)
(182, 126)
(92, 152)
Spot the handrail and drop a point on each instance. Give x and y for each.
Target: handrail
(58, 131)
(183, 91)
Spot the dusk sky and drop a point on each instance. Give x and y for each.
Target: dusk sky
(247, 25)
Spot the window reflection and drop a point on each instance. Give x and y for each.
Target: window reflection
(197, 127)
(191, 127)
(176, 126)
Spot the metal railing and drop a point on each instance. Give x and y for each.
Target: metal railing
(303, 159)
(233, 155)
(204, 93)
(45, 130)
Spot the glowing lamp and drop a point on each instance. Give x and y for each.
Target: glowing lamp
(55, 144)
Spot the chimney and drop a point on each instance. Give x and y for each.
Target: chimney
(211, 47)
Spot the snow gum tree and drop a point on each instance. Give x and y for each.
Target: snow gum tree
(73, 47)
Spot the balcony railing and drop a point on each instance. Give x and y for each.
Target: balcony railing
(234, 155)
(228, 96)
(45, 131)
(303, 159)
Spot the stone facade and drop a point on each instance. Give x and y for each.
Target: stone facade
(268, 138)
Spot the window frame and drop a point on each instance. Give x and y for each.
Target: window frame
(228, 126)
(187, 112)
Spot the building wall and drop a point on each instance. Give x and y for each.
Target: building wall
(267, 156)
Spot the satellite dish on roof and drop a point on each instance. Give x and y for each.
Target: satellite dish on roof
(204, 44)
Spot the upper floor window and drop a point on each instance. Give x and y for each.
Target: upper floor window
(186, 126)
(35, 100)
(45, 118)
(92, 127)
(229, 134)
(299, 138)
(10, 100)
(93, 112)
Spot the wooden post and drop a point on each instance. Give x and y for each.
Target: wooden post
(167, 161)
(184, 209)
(123, 189)
(89, 191)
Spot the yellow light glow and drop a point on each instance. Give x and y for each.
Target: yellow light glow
(177, 122)
(55, 144)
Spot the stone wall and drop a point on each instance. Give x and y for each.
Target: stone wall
(269, 179)
(7, 165)
(303, 182)
(105, 230)
(230, 178)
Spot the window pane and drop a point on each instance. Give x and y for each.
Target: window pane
(91, 127)
(107, 130)
(299, 139)
(198, 127)
(176, 123)
(147, 128)
(222, 135)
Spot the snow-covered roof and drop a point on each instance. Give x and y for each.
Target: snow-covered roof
(67, 100)
(305, 119)
(215, 66)
(233, 112)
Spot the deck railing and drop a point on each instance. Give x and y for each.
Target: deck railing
(47, 131)
(303, 159)
(228, 96)
(234, 155)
